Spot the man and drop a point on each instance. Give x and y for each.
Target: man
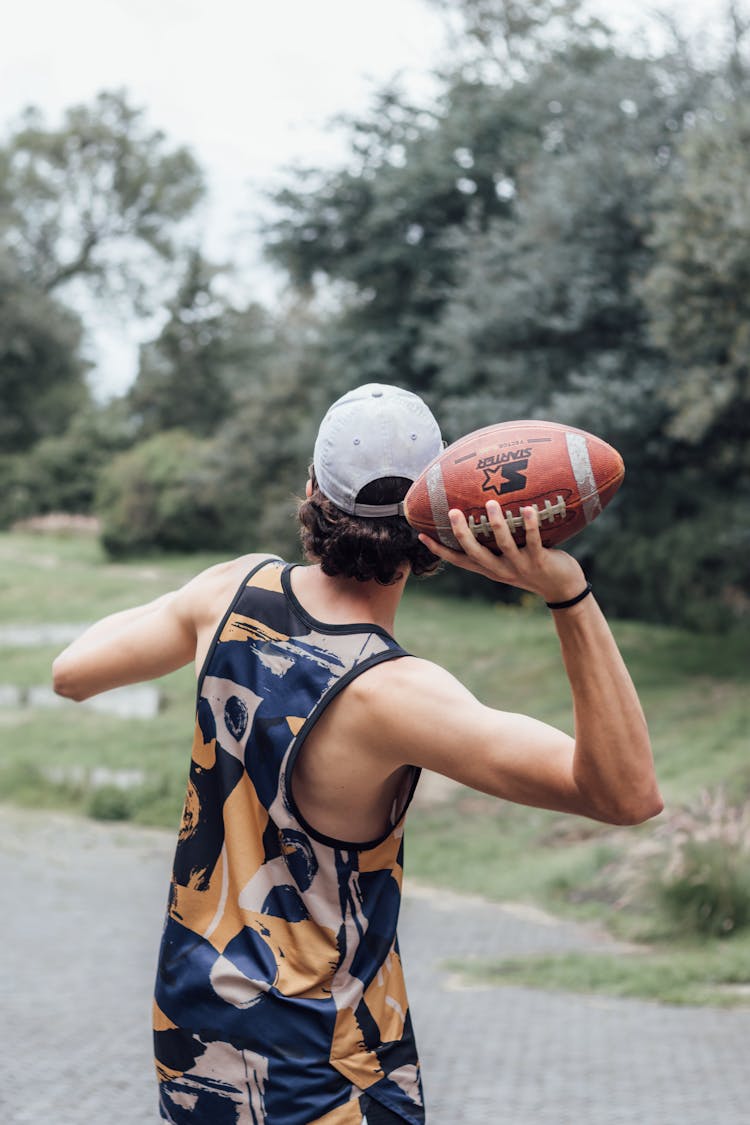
(280, 996)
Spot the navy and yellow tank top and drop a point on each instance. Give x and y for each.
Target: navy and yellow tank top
(279, 996)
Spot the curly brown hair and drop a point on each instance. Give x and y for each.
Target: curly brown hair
(363, 548)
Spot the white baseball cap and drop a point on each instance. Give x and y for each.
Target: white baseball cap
(373, 431)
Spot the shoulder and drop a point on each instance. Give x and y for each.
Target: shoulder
(216, 585)
(408, 677)
(400, 701)
(413, 712)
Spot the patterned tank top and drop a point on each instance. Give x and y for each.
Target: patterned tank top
(279, 996)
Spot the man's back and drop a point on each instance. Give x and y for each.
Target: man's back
(343, 790)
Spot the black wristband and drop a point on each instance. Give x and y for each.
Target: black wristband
(571, 601)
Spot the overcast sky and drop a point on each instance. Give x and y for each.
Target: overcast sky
(250, 86)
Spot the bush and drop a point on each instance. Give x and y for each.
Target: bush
(158, 495)
(693, 867)
(60, 473)
(710, 892)
(110, 802)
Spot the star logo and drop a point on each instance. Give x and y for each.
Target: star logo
(503, 479)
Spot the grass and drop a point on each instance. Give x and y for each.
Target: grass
(68, 580)
(502, 851)
(694, 690)
(701, 973)
(64, 579)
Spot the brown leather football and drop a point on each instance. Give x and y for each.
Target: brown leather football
(568, 475)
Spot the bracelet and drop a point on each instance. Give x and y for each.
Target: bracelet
(571, 601)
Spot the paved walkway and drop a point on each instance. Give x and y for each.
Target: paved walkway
(80, 910)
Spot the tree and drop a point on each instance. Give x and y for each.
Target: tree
(98, 199)
(545, 297)
(190, 375)
(259, 456)
(698, 292)
(699, 288)
(60, 473)
(98, 202)
(377, 232)
(42, 373)
(501, 39)
(236, 487)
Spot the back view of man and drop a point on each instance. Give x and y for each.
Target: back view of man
(280, 996)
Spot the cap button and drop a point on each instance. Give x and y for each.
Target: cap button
(377, 394)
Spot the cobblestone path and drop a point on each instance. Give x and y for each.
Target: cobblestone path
(81, 912)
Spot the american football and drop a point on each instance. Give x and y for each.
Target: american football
(566, 474)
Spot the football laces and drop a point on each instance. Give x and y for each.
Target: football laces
(547, 514)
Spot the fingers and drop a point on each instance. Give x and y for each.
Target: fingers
(532, 527)
(456, 558)
(478, 553)
(477, 547)
(532, 568)
(500, 528)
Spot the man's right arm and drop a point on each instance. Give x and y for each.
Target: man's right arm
(425, 717)
(414, 712)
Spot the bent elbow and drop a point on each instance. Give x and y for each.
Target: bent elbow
(64, 682)
(638, 811)
(651, 808)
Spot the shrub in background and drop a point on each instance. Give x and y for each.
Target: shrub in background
(158, 496)
(110, 802)
(60, 472)
(709, 892)
(692, 867)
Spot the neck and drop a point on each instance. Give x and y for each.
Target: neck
(344, 601)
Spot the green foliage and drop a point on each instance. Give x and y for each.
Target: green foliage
(97, 201)
(689, 875)
(190, 375)
(699, 288)
(109, 802)
(700, 315)
(684, 561)
(258, 460)
(61, 473)
(700, 876)
(157, 496)
(42, 373)
(711, 893)
(519, 31)
(379, 229)
(80, 198)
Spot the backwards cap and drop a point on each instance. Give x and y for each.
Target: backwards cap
(374, 431)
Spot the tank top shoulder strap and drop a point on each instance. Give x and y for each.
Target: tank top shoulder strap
(265, 574)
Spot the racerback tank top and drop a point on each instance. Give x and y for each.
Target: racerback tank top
(279, 995)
